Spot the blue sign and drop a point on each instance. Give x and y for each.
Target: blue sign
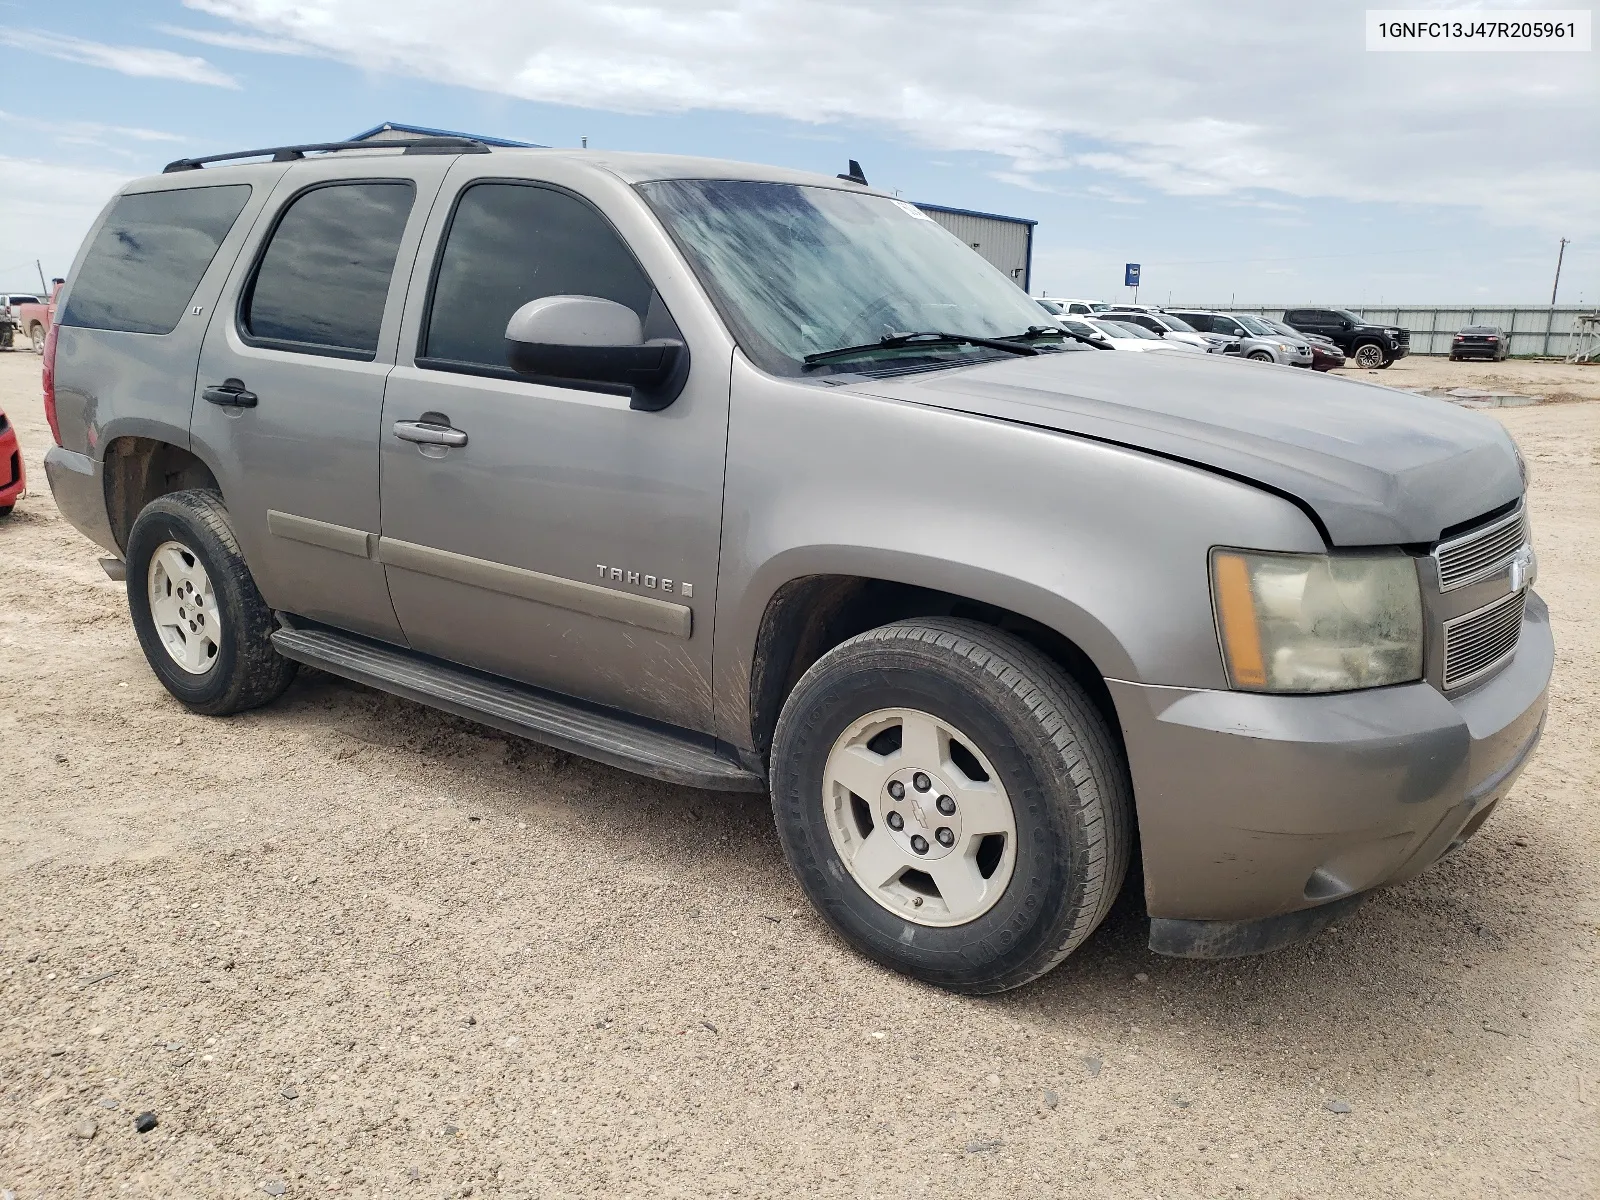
(1130, 275)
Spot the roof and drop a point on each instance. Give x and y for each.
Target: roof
(377, 131)
(972, 212)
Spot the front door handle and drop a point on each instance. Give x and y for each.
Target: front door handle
(429, 433)
(230, 393)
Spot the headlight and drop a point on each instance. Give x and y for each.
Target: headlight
(1283, 347)
(1317, 622)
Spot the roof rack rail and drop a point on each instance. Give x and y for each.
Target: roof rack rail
(426, 145)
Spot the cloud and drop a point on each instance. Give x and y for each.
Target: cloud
(1196, 101)
(48, 209)
(239, 41)
(89, 133)
(139, 61)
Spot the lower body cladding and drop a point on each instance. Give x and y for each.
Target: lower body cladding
(1264, 817)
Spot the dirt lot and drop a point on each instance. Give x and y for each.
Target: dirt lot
(346, 945)
(1556, 381)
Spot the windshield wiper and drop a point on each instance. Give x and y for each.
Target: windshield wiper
(1034, 332)
(927, 337)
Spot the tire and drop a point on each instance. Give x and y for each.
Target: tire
(1370, 356)
(1260, 356)
(36, 335)
(5, 510)
(1055, 762)
(241, 670)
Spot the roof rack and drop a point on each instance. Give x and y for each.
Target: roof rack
(426, 145)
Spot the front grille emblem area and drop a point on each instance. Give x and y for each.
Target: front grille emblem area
(1481, 553)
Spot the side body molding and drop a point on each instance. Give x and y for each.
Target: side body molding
(644, 612)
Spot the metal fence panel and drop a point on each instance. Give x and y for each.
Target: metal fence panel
(1535, 332)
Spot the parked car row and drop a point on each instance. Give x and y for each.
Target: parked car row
(1319, 338)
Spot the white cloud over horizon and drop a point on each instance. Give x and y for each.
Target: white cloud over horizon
(141, 62)
(1194, 101)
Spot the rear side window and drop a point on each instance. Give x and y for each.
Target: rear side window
(1203, 323)
(322, 281)
(510, 243)
(146, 261)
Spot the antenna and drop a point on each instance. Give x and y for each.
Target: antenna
(855, 175)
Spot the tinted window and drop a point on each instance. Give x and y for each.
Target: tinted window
(511, 243)
(325, 275)
(148, 257)
(1199, 321)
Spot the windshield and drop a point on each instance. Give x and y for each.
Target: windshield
(1257, 327)
(1051, 307)
(1347, 315)
(798, 270)
(1177, 324)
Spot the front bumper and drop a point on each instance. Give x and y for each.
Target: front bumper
(1253, 806)
(78, 484)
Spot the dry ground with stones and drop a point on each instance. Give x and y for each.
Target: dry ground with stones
(349, 946)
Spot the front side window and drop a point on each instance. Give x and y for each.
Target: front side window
(798, 271)
(148, 258)
(510, 243)
(322, 282)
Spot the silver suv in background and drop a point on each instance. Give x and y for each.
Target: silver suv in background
(748, 478)
(1258, 341)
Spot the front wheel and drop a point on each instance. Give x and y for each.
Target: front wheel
(1370, 356)
(204, 627)
(952, 802)
(1260, 356)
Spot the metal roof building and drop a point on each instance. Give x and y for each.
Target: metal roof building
(1007, 242)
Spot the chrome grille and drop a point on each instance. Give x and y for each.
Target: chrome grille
(1481, 552)
(1482, 640)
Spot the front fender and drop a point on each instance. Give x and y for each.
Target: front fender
(1105, 545)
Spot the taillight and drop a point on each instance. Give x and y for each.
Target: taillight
(1491, 339)
(49, 375)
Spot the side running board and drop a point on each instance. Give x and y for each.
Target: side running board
(516, 708)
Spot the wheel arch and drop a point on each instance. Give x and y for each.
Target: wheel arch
(139, 469)
(808, 614)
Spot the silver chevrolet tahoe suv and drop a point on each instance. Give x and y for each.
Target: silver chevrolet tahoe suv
(745, 478)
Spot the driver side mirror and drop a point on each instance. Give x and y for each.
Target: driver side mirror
(598, 345)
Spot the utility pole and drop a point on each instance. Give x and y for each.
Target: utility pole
(45, 288)
(1559, 256)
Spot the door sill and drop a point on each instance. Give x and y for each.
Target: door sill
(605, 735)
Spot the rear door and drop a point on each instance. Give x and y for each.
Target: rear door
(292, 370)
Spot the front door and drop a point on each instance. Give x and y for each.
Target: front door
(290, 388)
(570, 542)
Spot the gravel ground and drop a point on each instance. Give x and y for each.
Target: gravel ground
(1556, 381)
(349, 945)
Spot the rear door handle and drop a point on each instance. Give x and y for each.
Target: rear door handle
(230, 393)
(429, 433)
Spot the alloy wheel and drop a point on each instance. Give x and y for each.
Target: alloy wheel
(183, 607)
(919, 817)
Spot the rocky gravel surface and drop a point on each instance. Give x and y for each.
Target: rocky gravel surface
(349, 946)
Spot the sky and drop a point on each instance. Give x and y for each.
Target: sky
(1243, 152)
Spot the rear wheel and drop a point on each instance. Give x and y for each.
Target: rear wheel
(952, 803)
(204, 627)
(1370, 356)
(5, 510)
(36, 336)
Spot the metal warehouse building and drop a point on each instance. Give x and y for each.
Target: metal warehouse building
(1007, 242)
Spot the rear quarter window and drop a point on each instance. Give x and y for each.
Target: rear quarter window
(148, 258)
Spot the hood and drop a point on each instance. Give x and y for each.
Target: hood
(1378, 467)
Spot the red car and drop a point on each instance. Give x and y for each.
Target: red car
(12, 480)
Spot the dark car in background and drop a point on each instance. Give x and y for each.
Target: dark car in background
(1481, 341)
(1372, 346)
(1325, 354)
